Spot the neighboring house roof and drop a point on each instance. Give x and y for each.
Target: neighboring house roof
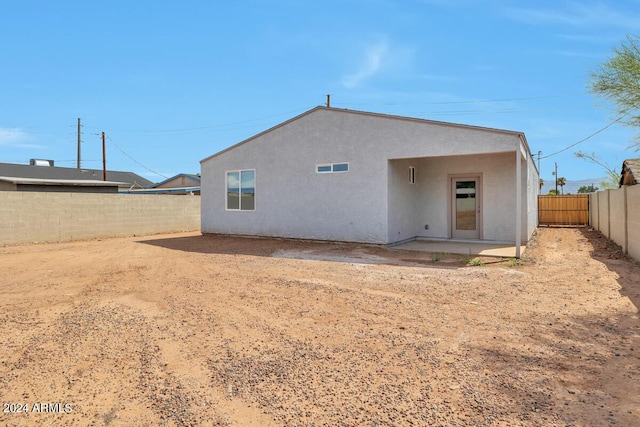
(630, 173)
(66, 182)
(162, 190)
(180, 180)
(380, 115)
(126, 179)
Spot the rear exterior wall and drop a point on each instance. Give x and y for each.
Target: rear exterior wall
(293, 200)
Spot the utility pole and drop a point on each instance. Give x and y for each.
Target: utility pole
(556, 174)
(79, 142)
(104, 160)
(539, 153)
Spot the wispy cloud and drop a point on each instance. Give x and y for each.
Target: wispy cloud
(436, 77)
(373, 61)
(447, 3)
(16, 138)
(589, 14)
(378, 57)
(576, 54)
(590, 38)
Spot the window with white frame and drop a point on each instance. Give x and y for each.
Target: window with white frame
(332, 167)
(241, 190)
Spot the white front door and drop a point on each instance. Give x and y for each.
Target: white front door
(465, 207)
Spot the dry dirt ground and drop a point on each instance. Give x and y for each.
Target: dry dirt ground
(190, 330)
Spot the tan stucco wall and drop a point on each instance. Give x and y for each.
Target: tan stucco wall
(617, 214)
(603, 201)
(633, 221)
(52, 217)
(618, 217)
(182, 181)
(593, 211)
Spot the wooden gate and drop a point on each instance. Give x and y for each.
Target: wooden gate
(570, 209)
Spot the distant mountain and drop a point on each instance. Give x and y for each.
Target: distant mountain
(571, 186)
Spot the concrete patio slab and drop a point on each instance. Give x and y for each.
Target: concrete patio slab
(464, 247)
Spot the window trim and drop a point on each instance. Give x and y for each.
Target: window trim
(226, 190)
(332, 167)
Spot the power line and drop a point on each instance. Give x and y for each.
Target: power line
(206, 127)
(589, 137)
(134, 160)
(474, 101)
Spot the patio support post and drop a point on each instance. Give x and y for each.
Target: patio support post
(518, 200)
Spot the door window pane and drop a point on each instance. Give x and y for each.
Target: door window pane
(465, 205)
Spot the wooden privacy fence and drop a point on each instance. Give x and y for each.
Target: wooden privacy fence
(570, 209)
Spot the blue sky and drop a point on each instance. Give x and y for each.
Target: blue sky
(174, 82)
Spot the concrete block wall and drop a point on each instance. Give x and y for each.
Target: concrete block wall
(604, 212)
(616, 214)
(633, 221)
(594, 217)
(53, 217)
(617, 217)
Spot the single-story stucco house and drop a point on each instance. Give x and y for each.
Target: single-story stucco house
(353, 176)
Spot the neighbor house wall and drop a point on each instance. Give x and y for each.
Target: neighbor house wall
(179, 181)
(52, 217)
(616, 214)
(8, 186)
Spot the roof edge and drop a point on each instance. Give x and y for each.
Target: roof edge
(251, 138)
(518, 134)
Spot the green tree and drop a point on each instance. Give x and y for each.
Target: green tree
(618, 80)
(553, 192)
(587, 189)
(613, 176)
(562, 181)
(541, 183)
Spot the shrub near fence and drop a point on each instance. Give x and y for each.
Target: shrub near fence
(53, 217)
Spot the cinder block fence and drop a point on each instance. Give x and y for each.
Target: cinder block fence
(616, 214)
(54, 217)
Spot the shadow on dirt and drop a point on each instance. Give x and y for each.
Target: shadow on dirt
(307, 250)
(587, 366)
(611, 255)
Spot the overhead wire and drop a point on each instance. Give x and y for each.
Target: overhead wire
(588, 137)
(178, 130)
(453, 112)
(134, 160)
(473, 101)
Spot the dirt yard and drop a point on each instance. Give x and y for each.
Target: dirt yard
(186, 330)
